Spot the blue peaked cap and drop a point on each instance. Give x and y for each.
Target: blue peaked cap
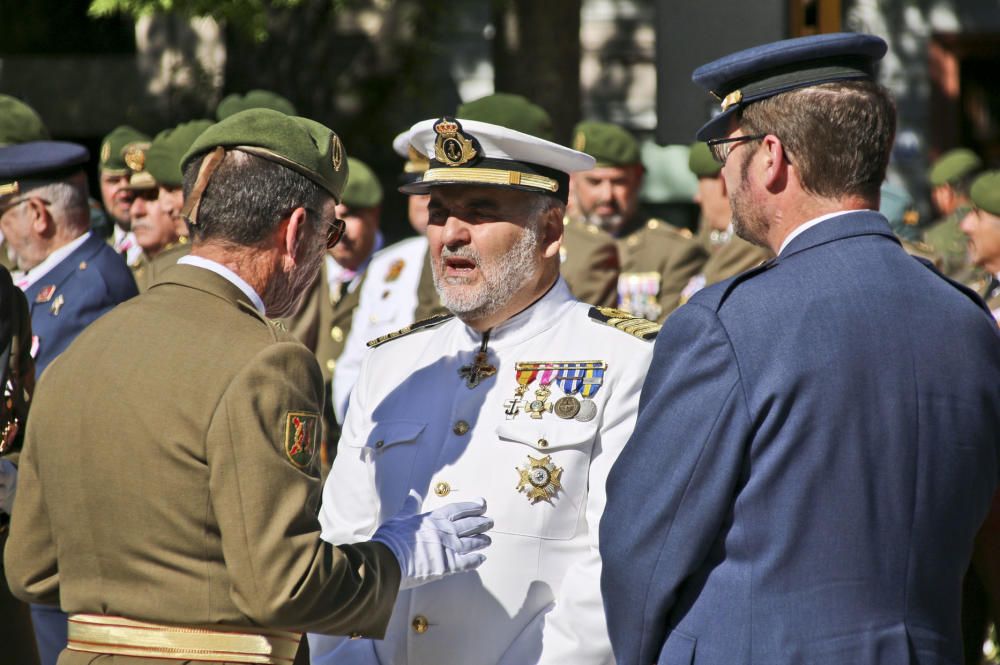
(770, 69)
(38, 160)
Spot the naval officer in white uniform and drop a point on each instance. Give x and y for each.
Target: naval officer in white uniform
(388, 299)
(525, 396)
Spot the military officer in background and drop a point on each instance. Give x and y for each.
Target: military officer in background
(950, 177)
(324, 321)
(981, 229)
(729, 254)
(162, 232)
(523, 394)
(388, 296)
(69, 275)
(668, 186)
(122, 146)
(900, 210)
(214, 555)
(19, 123)
(657, 259)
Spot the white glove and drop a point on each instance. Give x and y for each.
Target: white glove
(431, 545)
(8, 485)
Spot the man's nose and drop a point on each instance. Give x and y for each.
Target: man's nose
(455, 232)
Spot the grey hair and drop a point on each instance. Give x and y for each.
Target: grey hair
(67, 199)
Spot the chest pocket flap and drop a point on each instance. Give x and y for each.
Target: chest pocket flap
(385, 435)
(549, 434)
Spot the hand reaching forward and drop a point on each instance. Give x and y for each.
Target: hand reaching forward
(432, 545)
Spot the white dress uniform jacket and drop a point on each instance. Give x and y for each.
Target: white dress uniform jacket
(414, 425)
(387, 302)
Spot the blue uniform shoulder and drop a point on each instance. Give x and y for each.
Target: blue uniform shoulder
(715, 295)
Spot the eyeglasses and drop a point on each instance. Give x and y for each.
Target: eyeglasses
(721, 148)
(335, 232)
(18, 201)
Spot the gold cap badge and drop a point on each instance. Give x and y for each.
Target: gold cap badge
(135, 156)
(105, 152)
(579, 141)
(735, 97)
(452, 147)
(338, 153)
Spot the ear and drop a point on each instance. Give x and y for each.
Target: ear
(552, 234)
(41, 220)
(293, 232)
(776, 165)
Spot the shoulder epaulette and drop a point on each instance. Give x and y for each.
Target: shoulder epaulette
(413, 327)
(653, 224)
(622, 320)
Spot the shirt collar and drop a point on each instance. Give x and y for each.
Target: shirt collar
(805, 226)
(228, 275)
(533, 320)
(51, 261)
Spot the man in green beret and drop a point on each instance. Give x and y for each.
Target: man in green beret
(255, 99)
(156, 211)
(121, 151)
(981, 589)
(950, 178)
(324, 320)
(589, 257)
(657, 259)
(728, 253)
(190, 532)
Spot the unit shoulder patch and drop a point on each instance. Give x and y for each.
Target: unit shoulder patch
(413, 327)
(301, 432)
(622, 320)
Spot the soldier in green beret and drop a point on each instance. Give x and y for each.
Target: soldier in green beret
(120, 148)
(590, 262)
(159, 227)
(657, 259)
(203, 516)
(728, 253)
(324, 321)
(981, 229)
(950, 177)
(255, 99)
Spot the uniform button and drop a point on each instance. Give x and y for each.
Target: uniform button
(542, 443)
(330, 364)
(460, 428)
(442, 489)
(379, 443)
(420, 624)
(336, 334)
(83, 265)
(632, 241)
(373, 319)
(653, 224)
(355, 636)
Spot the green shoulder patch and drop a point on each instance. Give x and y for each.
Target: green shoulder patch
(413, 327)
(301, 434)
(622, 320)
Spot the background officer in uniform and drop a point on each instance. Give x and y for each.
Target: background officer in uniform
(657, 259)
(526, 396)
(981, 226)
(950, 177)
(116, 196)
(729, 254)
(19, 123)
(200, 541)
(822, 510)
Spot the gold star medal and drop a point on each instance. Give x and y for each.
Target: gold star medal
(540, 479)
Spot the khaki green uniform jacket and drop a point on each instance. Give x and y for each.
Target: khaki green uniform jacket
(158, 482)
(148, 271)
(671, 257)
(590, 263)
(946, 239)
(731, 258)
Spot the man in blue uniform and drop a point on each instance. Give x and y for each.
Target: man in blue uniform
(809, 466)
(69, 276)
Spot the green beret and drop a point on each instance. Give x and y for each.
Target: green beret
(163, 159)
(668, 179)
(510, 111)
(701, 162)
(363, 189)
(954, 165)
(300, 144)
(255, 99)
(609, 144)
(19, 123)
(985, 192)
(122, 141)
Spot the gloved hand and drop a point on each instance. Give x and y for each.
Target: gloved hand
(8, 485)
(431, 545)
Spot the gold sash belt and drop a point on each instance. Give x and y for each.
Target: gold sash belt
(95, 633)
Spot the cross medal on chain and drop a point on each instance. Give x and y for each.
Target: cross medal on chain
(480, 368)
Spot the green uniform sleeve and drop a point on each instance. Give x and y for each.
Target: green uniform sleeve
(264, 486)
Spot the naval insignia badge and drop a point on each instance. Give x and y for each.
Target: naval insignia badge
(452, 146)
(540, 479)
(301, 431)
(395, 269)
